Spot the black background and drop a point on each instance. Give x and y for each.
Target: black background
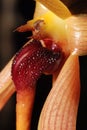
(25, 10)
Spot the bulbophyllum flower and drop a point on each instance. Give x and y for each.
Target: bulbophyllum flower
(55, 46)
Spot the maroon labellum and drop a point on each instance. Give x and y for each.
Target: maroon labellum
(31, 61)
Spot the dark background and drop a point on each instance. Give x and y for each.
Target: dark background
(13, 15)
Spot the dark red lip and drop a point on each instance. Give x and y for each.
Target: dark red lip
(30, 62)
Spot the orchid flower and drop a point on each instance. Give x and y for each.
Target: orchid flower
(58, 39)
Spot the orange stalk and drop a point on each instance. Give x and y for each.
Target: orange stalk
(24, 108)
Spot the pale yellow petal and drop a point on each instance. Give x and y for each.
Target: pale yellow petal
(57, 7)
